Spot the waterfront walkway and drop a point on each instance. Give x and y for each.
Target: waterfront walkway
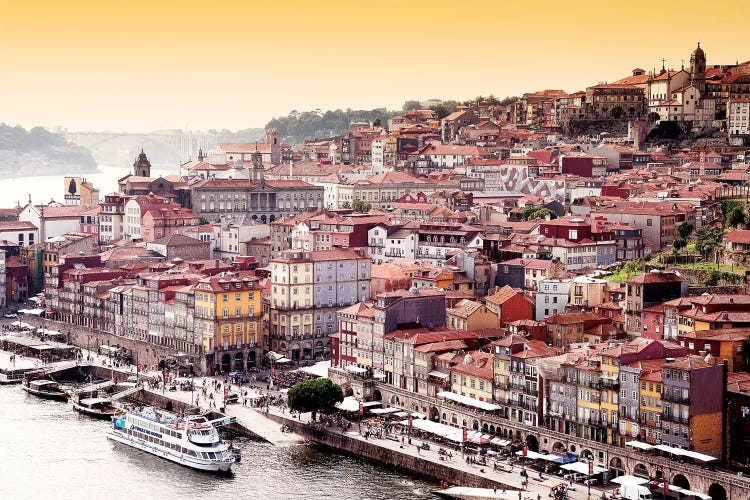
(254, 420)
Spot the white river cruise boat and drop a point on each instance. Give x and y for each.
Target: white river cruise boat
(192, 441)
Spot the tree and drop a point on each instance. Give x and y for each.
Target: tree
(735, 217)
(411, 105)
(654, 116)
(361, 206)
(617, 112)
(678, 245)
(346, 205)
(315, 395)
(542, 213)
(533, 212)
(708, 241)
(203, 221)
(376, 122)
(685, 229)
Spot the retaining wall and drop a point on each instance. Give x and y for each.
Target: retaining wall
(394, 458)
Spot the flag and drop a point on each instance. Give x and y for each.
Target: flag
(591, 468)
(525, 450)
(361, 408)
(140, 368)
(411, 421)
(666, 487)
(466, 435)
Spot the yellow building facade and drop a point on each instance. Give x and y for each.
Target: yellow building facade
(228, 311)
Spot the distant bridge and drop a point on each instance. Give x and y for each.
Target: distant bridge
(168, 147)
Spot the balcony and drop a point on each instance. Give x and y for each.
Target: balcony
(515, 385)
(610, 383)
(650, 422)
(669, 417)
(593, 383)
(675, 398)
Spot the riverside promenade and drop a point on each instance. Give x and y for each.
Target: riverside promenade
(266, 424)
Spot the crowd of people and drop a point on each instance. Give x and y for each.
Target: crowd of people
(288, 379)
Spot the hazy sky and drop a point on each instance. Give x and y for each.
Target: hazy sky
(234, 64)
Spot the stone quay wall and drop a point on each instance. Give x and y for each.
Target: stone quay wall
(371, 451)
(144, 353)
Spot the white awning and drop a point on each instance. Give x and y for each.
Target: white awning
(418, 415)
(33, 312)
(372, 403)
(582, 468)
(355, 369)
(466, 400)
(21, 324)
(684, 453)
(348, 404)
(435, 373)
(499, 442)
(319, 369)
(385, 411)
(531, 455)
(282, 361)
(640, 445)
(628, 479)
(438, 429)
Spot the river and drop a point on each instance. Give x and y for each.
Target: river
(49, 451)
(44, 188)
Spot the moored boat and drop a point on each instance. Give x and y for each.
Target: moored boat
(193, 441)
(95, 407)
(48, 389)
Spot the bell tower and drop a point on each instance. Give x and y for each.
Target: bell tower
(698, 69)
(141, 166)
(258, 173)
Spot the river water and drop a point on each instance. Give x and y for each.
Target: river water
(44, 188)
(49, 451)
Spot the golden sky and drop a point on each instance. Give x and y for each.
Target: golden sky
(142, 65)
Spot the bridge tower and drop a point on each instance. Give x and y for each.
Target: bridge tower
(141, 166)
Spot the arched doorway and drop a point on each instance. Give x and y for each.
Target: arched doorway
(434, 414)
(681, 481)
(251, 358)
(475, 425)
(295, 352)
(558, 447)
(226, 362)
(395, 400)
(485, 428)
(587, 455)
(263, 219)
(641, 470)
(717, 492)
(239, 362)
(492, 429)
(615, 467)
(272, 218)
(659, 474)
(319, 349)
(348, 392)
(532, 443)
(307, 351)
(376, 396)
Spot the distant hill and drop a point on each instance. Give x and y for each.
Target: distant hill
(39, 152)
(297, 128)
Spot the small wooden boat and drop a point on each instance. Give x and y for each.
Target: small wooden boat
(95, 407)
(48, 389)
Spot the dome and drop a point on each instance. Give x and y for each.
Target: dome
(698, 51)
(273, 131)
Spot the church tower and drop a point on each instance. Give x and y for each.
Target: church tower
(258, 173)
(142, 167)
(698, 69)
(273, 138)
